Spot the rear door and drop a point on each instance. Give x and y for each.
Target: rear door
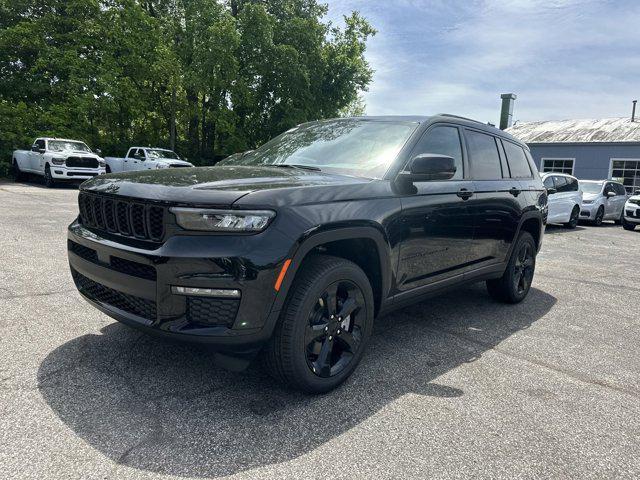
(498, 200)
(437, 227)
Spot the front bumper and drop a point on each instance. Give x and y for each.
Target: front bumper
(632, 214)
(133, 285)
(588, 211)
(62, 172)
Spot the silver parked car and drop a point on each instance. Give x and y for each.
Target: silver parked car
(565, 198)
(602, 200)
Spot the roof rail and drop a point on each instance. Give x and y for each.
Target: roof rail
(460, 117)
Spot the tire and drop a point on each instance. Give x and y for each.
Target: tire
(107, 169)
(599, 216)
(621, 219)
(627, 226)
(49, 182)
(310, 350)
(16, 172)
(515, 283)
(573, 220)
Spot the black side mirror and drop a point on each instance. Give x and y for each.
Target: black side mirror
(429, 166)
(551, 191)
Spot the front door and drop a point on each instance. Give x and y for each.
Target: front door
(437, 228)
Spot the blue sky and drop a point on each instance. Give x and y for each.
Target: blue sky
(563, 58)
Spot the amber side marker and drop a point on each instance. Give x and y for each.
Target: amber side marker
(283, 272)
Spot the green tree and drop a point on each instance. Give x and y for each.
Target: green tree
(207, 77)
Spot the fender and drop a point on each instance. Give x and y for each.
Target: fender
(527, 216)
(313, 238)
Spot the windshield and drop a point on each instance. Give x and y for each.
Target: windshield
(350, 146)
(62, 145)
(590, 187)
(157, 153)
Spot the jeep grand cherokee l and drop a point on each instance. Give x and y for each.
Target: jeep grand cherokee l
(290, 251)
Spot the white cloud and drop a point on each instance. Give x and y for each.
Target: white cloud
(564, 58)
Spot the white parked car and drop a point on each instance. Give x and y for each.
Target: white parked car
(602, 200)
(58, 159)
(564, 199)
(145, 158)
(631, 217)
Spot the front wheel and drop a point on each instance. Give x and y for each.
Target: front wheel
(516, 281)
(627, 225)
(573, 220)
(324, 327)
(599, 216)
(49, 182)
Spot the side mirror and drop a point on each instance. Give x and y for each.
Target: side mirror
(551, 191)
(35, 149)
(98, 151)
(41, 150)
(429, 166)
(610, 194)
(637, 192)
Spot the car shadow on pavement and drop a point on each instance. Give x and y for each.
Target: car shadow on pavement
(165, 408)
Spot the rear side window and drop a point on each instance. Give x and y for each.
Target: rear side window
(518, 163)
(561, 183)
(444, 141)
(484, 156)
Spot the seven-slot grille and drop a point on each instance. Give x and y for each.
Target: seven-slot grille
(82, 162)
(122, 217)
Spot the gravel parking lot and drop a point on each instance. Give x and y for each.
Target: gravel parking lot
(457, 386)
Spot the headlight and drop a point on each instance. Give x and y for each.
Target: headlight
(102, 163)
(58, 161)
(223, 220)
(587, 201)
(634, 200)
(161, 165)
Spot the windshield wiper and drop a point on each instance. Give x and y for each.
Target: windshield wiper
(294, 165)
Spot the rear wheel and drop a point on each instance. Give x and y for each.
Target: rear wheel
(599, 216)
(16, 172)
(324, 327)
(573, 220)
(108, 169)
(621, 219)
(516, 281)
(49, 182)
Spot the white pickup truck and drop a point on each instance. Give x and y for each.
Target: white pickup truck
(58, 159)
(145, 158)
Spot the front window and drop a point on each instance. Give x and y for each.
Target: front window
(591, 187)
(62, 145)
(156, 153)
(349, 146)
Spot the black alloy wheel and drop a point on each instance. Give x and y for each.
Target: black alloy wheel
(324, 327)
(334, 329)
(515, 283)
(599, 216)
(48, 179)
(523, 269)
(573, 220)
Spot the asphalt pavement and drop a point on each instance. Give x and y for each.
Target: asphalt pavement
(455, 387)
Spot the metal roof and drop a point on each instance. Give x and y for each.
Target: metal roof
(605, 130)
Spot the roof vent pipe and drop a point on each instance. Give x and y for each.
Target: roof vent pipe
(633, 111)
(506, 113)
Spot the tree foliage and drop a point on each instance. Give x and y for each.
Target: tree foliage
(208, 77)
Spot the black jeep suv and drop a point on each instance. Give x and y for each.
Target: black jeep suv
(290, 251)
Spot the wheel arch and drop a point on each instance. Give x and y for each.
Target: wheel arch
(366, 246)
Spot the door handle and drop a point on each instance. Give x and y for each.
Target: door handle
(514, 191)
(464, 194)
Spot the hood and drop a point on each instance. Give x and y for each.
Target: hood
(173, 161)
(74, 153)
(590, 196)
(215, 186)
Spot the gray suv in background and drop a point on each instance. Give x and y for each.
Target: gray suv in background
(602, 200)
